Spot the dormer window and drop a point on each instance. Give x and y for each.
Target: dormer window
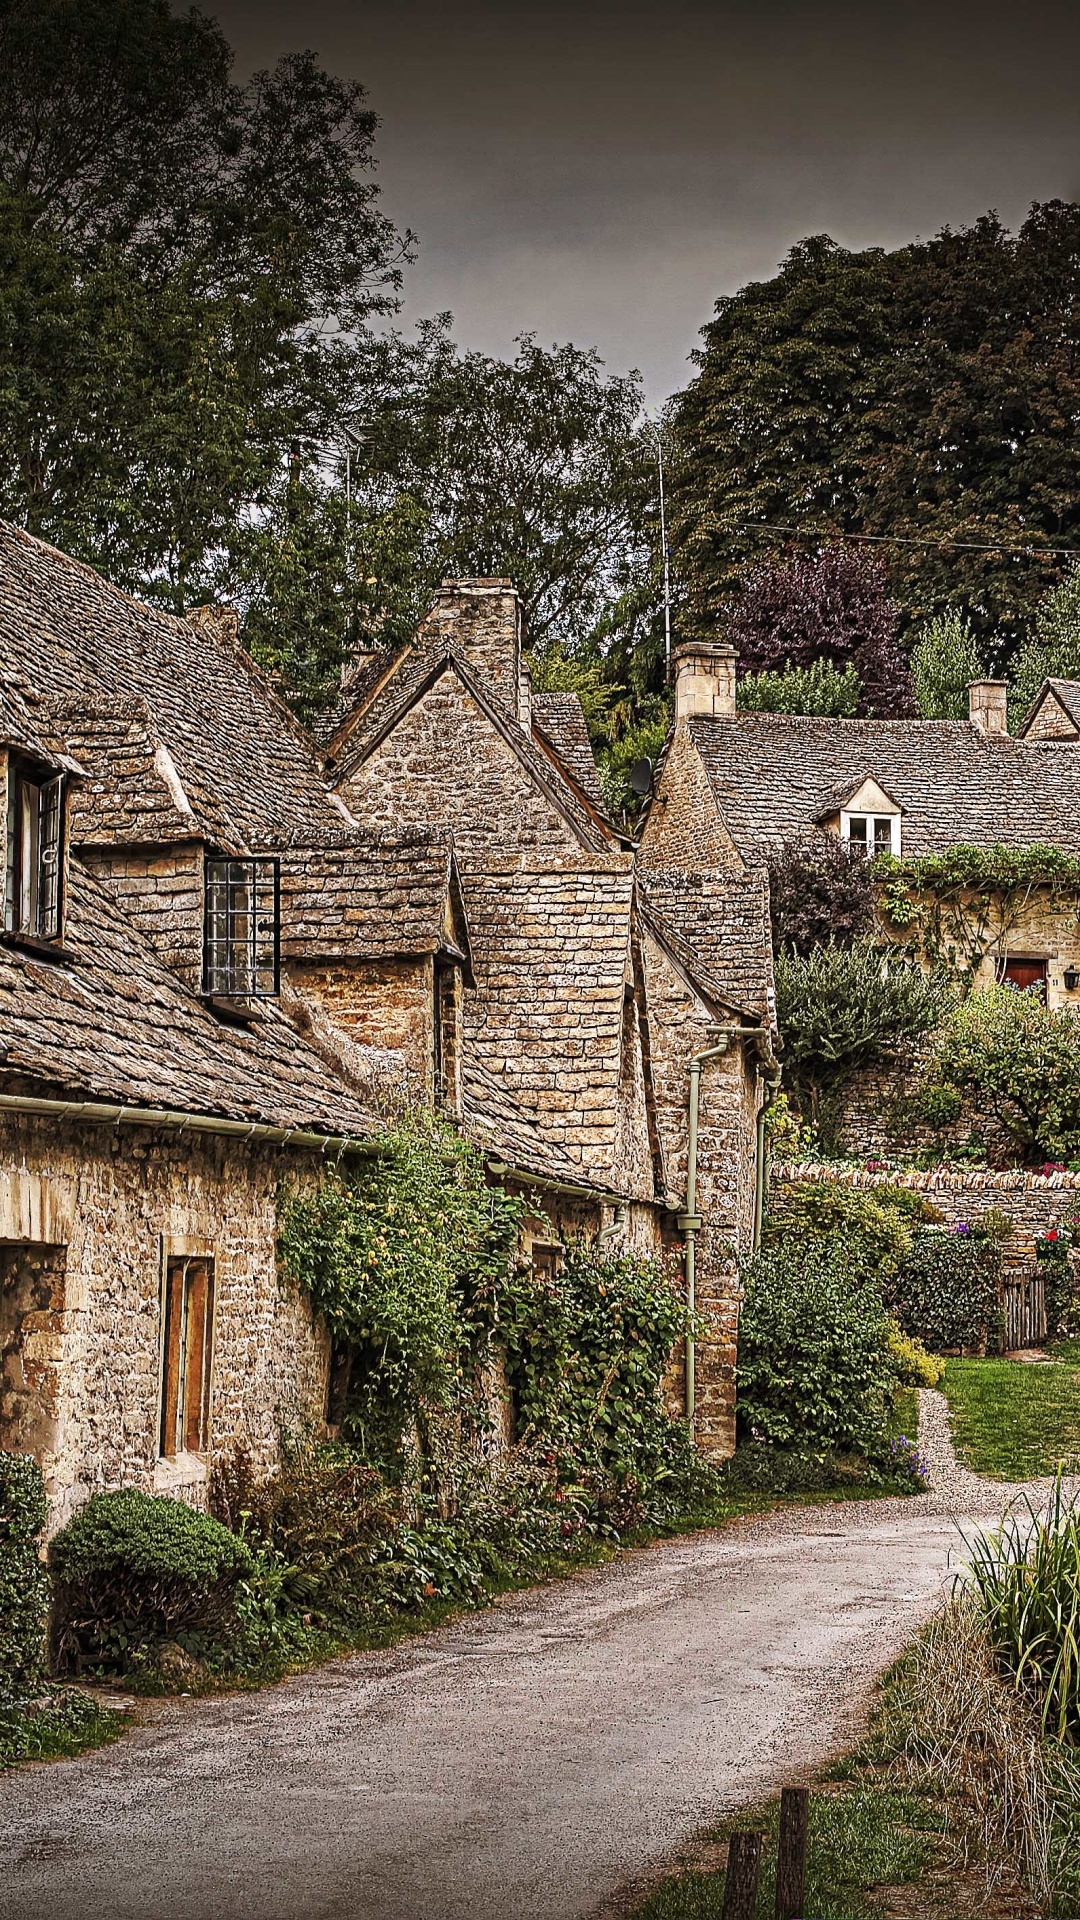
(243, 917)
(35, 827)
(872, 833)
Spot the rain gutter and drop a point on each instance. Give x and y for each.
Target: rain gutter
(100, 1113)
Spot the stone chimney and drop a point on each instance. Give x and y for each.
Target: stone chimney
(705, 680)
(217, 624)
(988, 707)
(483, 619)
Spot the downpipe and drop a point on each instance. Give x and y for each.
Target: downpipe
(772, 1084)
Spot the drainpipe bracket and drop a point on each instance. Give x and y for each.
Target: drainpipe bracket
(689, 1222)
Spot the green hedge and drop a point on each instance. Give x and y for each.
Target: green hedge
(876, 1227)
(131, 1570)
(24, 1588)
(946, 1292)
(814, 1370)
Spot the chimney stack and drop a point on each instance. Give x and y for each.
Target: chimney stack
(988, 707)
(705, 680)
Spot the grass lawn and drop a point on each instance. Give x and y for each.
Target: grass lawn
(860, 1838)
(1011, 1421)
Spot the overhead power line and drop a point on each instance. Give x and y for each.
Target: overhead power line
(908, 540)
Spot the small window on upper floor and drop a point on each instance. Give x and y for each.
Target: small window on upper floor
(35, 832)
(241, 937)
(872, 833)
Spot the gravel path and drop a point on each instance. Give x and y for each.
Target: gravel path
(525, 1763)
(954, 1488)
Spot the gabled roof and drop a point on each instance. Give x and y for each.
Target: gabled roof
(716, 930)
(500, 1127)
(561, 718)
(773, 776)
(386, 697)
(373, 896)
(132, 792)
(77, 641)
(21, 730)
(115, 1025)
(1067, 695)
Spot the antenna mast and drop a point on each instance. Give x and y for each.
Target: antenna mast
(664, 546)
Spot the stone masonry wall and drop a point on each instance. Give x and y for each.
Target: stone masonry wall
(1033, 1201)
(379, 1003)
(161, 892)
(115, 1201)
(729, 1099)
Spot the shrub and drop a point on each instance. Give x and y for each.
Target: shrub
(945, 1292)
(842, 1009)
(131, 1570)
(399, 1255)
(876, 1228)
(813, 1367)
(912, 1365)
(323, 1517)
(1022, 1061)
(24, 1591)
(587, 1349)
(820, 889)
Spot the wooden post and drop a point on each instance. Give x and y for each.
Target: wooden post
(791, 1853)
(741, 1879)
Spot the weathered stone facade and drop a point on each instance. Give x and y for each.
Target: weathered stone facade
(89, 1218)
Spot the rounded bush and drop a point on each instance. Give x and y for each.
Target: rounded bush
(131, 1569)
(24, 1588)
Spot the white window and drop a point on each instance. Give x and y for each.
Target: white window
(872, 833)
(34, 836)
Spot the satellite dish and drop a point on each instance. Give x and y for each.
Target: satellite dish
(641, 774)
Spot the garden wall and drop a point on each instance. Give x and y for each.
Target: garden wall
(1033, 1201)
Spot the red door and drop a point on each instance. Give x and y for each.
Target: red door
(1021, 974)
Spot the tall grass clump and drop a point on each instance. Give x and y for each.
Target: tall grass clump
(1026, 1578)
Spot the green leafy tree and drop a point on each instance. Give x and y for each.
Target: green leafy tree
(1021, 1061)
(945, 657)
(924, 395)
(1052, 650)
(821, 688)
(187, 266)
(840, 1009)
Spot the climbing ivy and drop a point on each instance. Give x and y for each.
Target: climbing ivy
(587, 1349)
(403, 1255)
(960, 906)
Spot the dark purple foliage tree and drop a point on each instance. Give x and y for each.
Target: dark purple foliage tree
(833, 606)
(820, 889)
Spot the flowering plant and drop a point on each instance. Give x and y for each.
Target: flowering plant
(907, 1462)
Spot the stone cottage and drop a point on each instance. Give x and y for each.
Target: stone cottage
(734, 786)
(227, 954)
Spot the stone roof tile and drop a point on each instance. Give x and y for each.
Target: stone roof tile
(115, 1025)
(774, 775)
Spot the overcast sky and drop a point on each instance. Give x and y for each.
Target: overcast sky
(600, 172)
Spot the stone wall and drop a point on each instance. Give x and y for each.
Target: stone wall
(160, 891)
(387, 1004)
(1033, 1201)
(681, 1028)
(114, 1203)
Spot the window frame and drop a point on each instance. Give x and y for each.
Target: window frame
(871, 818)
(188, 1326)
(257, 980)
(34, 852)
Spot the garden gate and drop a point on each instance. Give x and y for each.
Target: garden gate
(1025, 1310)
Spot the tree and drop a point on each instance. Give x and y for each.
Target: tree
(930, 395)
(944, 659)
(1021, 1060)
(186, 266)
(841, 1009)
(536, 469)
(1052, 650)
(820, 889)
(833, 607)
(831, 692)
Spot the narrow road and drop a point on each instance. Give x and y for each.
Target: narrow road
(521, 1765)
